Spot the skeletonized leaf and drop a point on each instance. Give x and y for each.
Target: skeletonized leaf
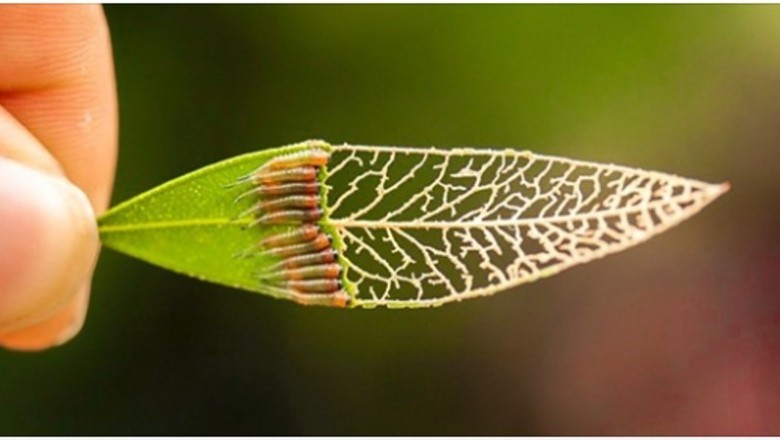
(429, 226)
(413, 227)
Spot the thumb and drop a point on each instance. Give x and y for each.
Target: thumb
(48, 248)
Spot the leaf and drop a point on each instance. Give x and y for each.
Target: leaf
(413, 227)
(191, 224)
(424, 227)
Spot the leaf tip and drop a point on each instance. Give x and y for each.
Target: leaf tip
(716, 190)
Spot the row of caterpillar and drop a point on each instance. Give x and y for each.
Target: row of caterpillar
(287, 190)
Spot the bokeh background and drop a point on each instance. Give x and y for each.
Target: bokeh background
(680, 335)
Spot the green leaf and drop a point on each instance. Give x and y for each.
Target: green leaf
(413, 227)
(191, 224)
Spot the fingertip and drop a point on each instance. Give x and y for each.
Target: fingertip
(49, 249)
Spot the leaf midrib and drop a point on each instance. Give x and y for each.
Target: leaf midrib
(700, 200)
(183, 223)
(171, 224)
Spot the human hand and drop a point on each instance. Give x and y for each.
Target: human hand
(58, 142)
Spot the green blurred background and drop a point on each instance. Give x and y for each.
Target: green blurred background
(677, 336)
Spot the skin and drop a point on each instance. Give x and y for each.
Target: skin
(58, 143)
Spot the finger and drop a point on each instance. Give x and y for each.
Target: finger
(57, 79)
(48, 248)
